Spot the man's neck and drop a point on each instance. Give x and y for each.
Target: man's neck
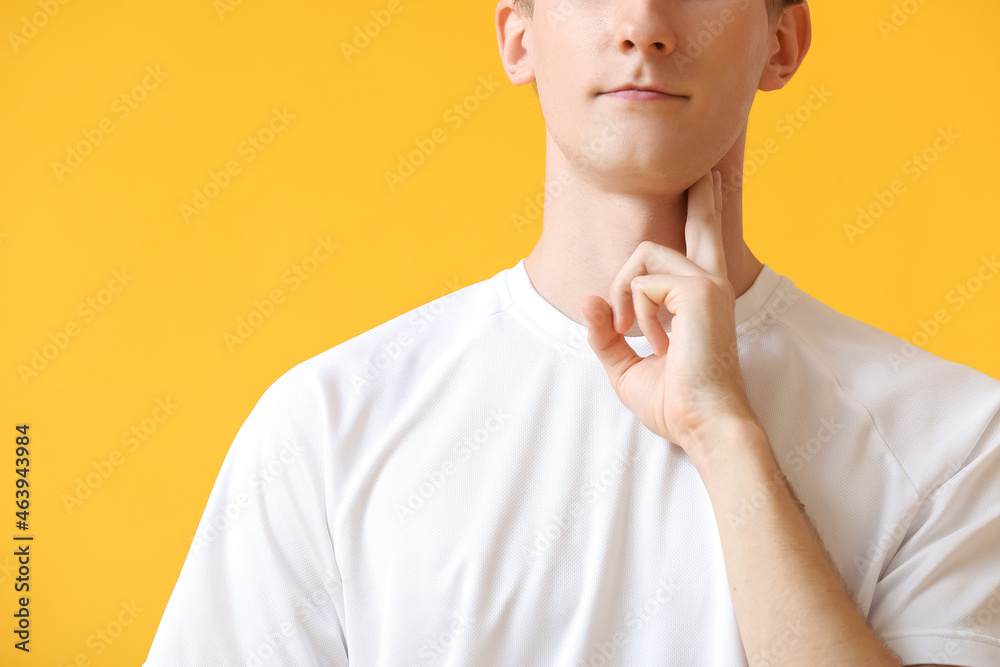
(589, 231)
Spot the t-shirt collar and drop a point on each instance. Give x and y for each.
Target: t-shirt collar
(571, 337)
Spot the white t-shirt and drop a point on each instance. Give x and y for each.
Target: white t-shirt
(461, 486)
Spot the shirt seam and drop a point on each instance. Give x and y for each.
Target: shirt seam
(826, 366)
(766, 303)
(943, 634)
(526, 322)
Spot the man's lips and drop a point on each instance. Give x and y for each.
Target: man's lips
(642, 94)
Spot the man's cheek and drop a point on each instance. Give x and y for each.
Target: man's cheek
(743, 4)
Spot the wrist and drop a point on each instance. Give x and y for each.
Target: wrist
(730, 443)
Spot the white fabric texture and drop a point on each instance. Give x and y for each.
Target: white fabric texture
(461, 486)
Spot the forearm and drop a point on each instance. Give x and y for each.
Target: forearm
(789, 602)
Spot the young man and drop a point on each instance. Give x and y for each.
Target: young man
(501, 477)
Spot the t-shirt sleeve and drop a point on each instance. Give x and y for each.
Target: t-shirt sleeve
(260, 583)
(938, 600)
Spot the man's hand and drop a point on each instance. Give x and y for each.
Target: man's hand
(778, 571)
(671, 391)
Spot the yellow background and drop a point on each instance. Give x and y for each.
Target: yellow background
(448, 225)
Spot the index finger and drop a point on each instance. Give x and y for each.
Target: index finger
(703, 229)
(648, 258)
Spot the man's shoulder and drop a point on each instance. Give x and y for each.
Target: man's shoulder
(865, 357)
(416, 336)
(918, 401)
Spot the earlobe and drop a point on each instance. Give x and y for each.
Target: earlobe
(511, 33)
(790, 43)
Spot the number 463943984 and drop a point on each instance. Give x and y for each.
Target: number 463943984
(21, 464)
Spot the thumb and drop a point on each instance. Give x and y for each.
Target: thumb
(614, 353)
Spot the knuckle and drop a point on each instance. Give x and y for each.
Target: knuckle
(726, 287)
(705, 283)
(647, 248)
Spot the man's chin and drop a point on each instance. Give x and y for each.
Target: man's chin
(645, 180)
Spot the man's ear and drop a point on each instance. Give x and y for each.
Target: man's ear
(789, 45)
(514, 54)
